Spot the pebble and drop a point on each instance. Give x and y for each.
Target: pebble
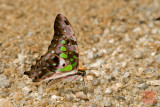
(98, 63)
(154, 82)
(29, 34)
(143, 86)
(56, 98)
(4, 82)
(81, 95)
(138, 54)
(107, 103)
(108, 91)
(40, 89)
(126, 75)
(98, 98)
(94, 105)
(117, 86)
(96, 82)
(137, 29)
(26, 90)
(98, 90)
(106, 32)
(154, 31)
(158, 58)
(90, 55)
(90, 78)
(5, 103)
(108, 77)
(21, 57)
(95, 73)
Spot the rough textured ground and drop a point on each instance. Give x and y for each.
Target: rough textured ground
(123, 33)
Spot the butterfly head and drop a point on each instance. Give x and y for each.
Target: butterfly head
(81, 71)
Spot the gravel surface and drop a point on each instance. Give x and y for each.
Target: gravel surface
(122, 36)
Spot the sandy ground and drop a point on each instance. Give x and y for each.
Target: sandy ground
(123, 33)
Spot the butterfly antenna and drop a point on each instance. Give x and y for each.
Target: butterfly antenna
(91, 62)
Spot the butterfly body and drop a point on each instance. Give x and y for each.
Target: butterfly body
(61, 61)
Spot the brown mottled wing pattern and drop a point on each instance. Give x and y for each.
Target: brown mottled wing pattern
(62, 51)
(64, 33)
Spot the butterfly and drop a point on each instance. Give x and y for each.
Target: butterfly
(61, 62)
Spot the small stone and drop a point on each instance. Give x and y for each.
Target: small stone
(108, 77)
(29, 34)
(108, 91)
(126, 75)
(123, 64)
(154, 31)
(98, 63)
(143, 86)
(98, 98)
(140, 71)
(71, 97)
(117, 86)
(103, 73)
(81, 95)
(106, 32)
(4, 82)
(40, 89)
(115, 73)
(96, 73)
(56, 98)
(138, 54)
(154, 82)
(90, 55)
(107, 103)
(98, 90)
(21, 57)
(90, 78)
(137, 29)
(94, 105)
(111, 41)
(96, 82)
(158, 59)
(5, 103)
(26, 90)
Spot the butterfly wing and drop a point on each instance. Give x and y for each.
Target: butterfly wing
(62, 56)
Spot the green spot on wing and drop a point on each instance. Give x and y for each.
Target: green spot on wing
(63, 48)
(67, 68)
(71, 59)
(64, 30)
(63, 55)
(70, 52)
(74, 64)
(74, 57)
(63, 41)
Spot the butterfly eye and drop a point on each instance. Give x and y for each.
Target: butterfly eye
(66, 22)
